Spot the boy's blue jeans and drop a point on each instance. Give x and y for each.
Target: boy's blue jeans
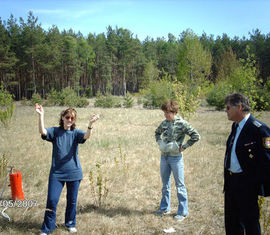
(54, 191)
(175, 165)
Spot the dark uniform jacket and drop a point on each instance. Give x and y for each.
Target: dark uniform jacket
(253, 153)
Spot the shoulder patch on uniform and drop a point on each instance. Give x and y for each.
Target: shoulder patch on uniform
(257, 124)
(266, 142)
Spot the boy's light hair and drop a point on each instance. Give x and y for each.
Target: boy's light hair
(170, 106)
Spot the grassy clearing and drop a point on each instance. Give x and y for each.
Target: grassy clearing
(123, 144)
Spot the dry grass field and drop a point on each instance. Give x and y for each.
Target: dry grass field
(123, 143)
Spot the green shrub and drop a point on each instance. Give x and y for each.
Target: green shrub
(262, 99)
(185, 95)
(53, 98)
(128, 101)
(107, 101)
(36, 98)
(217, 95)
(187, 98)
(7, 107)
(121, 162)
(104, 102)
(205, 89)
(259, 97)
(67, 97)
(243, 79)
(98, 185)
(157, 93)
(82, 102)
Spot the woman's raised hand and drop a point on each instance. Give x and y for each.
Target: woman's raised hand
(39, 109)
(94, 118)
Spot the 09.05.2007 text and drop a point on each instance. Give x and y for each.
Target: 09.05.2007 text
(18, 203)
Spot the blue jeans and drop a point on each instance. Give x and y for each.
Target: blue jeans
(175, 165)
(54, 191)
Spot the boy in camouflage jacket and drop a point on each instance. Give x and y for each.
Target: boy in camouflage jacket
(170, 136)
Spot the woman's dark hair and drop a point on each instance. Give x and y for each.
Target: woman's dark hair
(170, 106)
(235, 99)
(72, 112)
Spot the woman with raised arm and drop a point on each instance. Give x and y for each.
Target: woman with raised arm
(65, 166)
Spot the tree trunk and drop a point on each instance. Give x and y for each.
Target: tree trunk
(19, 86)
(43, 86)
(124, 83)
(33, 74)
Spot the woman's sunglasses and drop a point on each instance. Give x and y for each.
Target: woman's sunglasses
(69, 117)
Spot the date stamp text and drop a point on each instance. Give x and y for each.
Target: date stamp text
(18, 203)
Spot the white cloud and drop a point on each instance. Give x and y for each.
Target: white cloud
(62, 13)
(47, 11)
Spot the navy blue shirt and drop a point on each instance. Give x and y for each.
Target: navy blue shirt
(65, 162)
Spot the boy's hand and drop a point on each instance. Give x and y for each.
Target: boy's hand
(181, 149)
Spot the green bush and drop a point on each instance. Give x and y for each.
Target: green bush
(67, 97)
(185, 95)
(259, 97)
(243, 79)
(217, 95)
(205, 89)
(7, 107)
(36, 98)
(53, 98)
(262, 99)
(128, 101)
(187, 98)
(157, 93)
(98, 185)
(107, 101)
(82, 102)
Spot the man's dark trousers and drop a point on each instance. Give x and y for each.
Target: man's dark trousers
(241, 205)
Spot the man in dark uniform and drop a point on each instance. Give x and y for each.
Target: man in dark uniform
(247, 167)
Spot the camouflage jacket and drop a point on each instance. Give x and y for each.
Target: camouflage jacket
(170, 136)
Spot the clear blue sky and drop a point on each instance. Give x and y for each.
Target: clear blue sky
(153, 18)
